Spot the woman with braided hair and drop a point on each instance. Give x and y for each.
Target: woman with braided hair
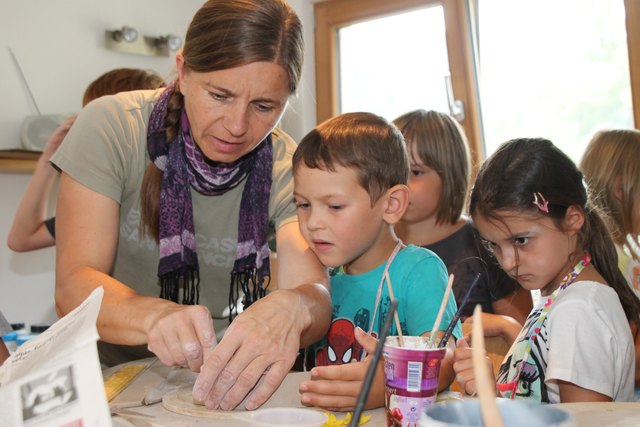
(168, 199)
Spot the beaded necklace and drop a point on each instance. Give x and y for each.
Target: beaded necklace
(537, 325)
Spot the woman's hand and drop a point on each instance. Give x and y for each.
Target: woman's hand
(182, 335)
(336, 387)
(264, 339)
(261, 345)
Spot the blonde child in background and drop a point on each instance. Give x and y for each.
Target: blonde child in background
(531, 207)
(438, 193)
(31, 229)
(610, 167)
(350, 176)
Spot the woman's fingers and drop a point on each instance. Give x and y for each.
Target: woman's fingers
(255, 342)
(180, 337)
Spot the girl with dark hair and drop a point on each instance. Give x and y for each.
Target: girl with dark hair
(168, 200)
(531, 206)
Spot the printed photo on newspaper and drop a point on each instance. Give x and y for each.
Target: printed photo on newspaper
(55, 379)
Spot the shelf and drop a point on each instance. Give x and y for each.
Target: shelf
(18, 161)
(17, 165)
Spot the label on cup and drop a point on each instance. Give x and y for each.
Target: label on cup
(411, 381)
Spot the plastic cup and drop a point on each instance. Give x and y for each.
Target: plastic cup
(514, 413)
(411, 379)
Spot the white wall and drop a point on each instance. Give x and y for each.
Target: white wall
(59, 44)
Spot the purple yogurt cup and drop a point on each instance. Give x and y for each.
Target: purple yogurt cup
(411, 379)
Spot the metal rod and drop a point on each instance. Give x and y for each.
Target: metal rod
(24, 80)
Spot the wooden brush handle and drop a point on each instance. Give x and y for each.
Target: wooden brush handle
(484, 384)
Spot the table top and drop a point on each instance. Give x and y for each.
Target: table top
(127, 407)
(129, 410)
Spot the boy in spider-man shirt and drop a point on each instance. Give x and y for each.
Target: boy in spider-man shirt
(350, 176)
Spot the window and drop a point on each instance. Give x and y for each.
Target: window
(559, 70)
(390, 75)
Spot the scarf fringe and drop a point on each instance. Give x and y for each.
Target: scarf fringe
(250, 285)
(189, 281)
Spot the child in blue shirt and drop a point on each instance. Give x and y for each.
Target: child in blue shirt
(350, 188)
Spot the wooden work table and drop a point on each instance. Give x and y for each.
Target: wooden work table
(131, 411)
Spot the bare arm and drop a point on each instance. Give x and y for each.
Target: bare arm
(570, 392)
(518, 305)
(495, 325)
(299, 265)
(28, 231)
(88, 224)
(266, 337)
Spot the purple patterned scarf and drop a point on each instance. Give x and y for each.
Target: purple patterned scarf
(184, 166)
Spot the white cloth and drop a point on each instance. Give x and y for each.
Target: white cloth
(590, 342)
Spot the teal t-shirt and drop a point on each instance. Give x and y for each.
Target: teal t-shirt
(419, 280)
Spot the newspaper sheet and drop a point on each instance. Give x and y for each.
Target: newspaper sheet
(55, 379)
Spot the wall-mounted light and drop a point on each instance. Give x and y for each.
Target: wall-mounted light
(169, 41)
(126, 40)
(126, 33)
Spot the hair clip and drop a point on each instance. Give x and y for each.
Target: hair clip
(542, 204)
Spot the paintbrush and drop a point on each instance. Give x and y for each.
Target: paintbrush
(456, 317)
(486, 387)
(436, 325)
(395, 315)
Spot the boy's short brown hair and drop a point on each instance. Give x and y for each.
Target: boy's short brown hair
(362, 141)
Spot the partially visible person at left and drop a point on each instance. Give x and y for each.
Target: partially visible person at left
(168, 200)
(31, 229)
(350, 188)
(5, 328)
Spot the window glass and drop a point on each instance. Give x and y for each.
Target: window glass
(394, 64)
(553, 69)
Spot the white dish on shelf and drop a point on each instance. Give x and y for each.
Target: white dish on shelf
(36, 130)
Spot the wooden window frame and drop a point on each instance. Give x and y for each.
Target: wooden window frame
(330, 15)
(632, 12)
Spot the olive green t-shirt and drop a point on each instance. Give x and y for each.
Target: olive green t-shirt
(106, 151)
